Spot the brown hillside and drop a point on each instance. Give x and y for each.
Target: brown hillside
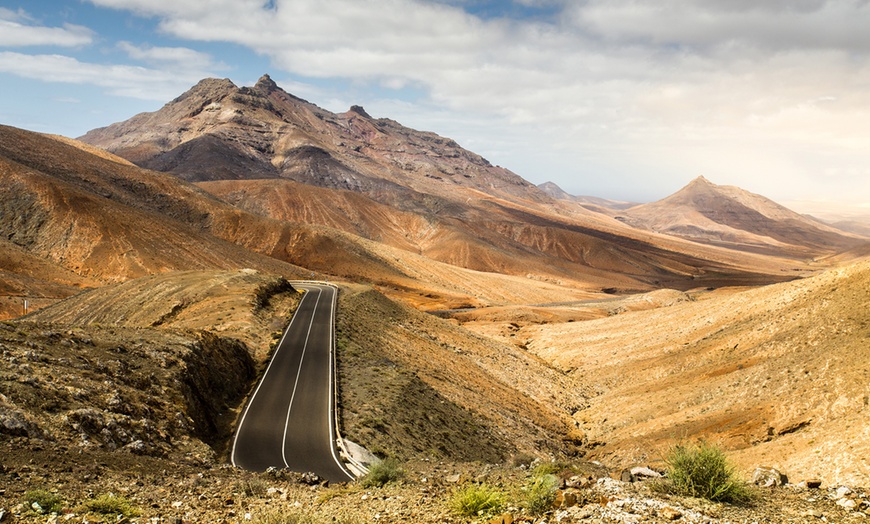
(732, 217)
(40, 282)
(778, 374)
(111, 222)
(458, 207)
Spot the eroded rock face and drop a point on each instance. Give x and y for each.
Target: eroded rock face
(218, 131)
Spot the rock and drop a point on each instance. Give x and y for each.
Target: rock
(453, 479)
(640, 473)
(670, 514)
(507, 518)
(843, 491)
(849, 504)
(626, 476)
(814, 483)
(566, 499)
(311, 479)
(768, 477)
(37, 508)
(814, 513)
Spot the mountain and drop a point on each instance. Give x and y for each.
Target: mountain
(273, 154)
(218, 131)
(74, 219)
(589, 202)
(732, 217)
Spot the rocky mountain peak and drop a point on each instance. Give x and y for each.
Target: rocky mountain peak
(266, 85)
(700, 183)
(209, 88)
(360, 111)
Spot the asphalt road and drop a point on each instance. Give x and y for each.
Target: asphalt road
(288, 422)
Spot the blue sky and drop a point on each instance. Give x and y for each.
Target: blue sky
(622, 99)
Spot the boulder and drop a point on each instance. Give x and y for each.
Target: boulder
(768, 477)
(641, 473)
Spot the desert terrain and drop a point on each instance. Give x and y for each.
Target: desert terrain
(486, 326)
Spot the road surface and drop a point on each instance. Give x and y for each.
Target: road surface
(288, 422)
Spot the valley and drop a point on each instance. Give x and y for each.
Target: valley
(483, 322)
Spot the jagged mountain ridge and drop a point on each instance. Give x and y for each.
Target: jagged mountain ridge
(465, 211)
(733, 217)
(218, 131)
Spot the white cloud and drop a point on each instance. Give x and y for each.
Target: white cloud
(15, 32)
(171, 57)
(121, 80)
(768, 89)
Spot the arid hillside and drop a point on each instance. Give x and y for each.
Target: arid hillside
(435, 198)
(411, 384)
(777, 374)
(107, 221)
(732, 217)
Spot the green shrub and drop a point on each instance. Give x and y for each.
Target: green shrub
(702, 470)
(383, 472)
(549, 468)
(540, 493)
(48, 501)
(478, 500)
(110, 504)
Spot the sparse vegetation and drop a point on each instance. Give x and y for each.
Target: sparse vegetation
(274, 515)
(46, 501)
(540, 493)
(702, 470)
(478, 500)
(251, 487)
(110, 504)
(383, 472)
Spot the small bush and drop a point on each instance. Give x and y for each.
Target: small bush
(48, 501)
(110, 504)
(478, 501)
(540, 493)
(251, 487)
(549, 468)
(383, 472)
(703, 470)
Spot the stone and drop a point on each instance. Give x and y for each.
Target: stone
(565, 499)
(626, 476)
(506, 518)
(453, 479)
(768, 477)
(641, 472)
(849, 504)
(668, 513)
(814, 483)
(843, 491)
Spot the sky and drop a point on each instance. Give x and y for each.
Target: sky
(621, 99)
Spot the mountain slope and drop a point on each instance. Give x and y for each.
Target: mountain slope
(732, 217)
(778, 374)
(436, 198)
(219, 131)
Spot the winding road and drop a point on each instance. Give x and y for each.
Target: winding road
(289, 420)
